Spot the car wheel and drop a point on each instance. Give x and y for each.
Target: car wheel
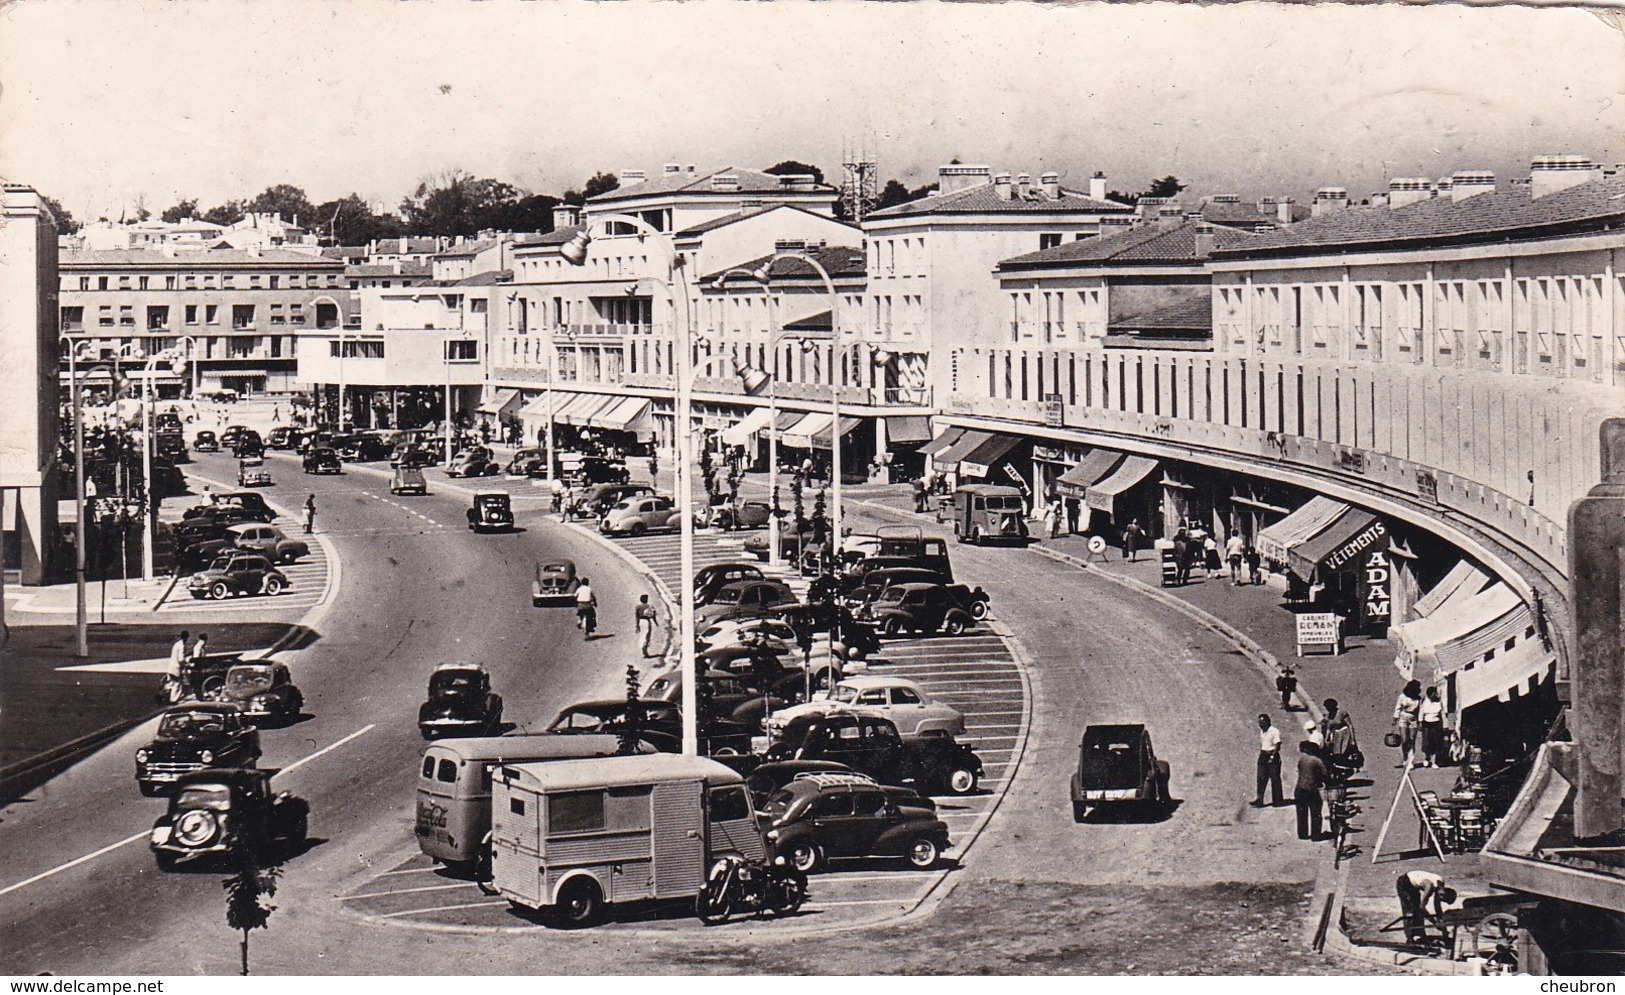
(806, 857)
(273, 586)
(978, 610)
(219, 591)
(891, 627)
(961, 781)
(954, 626)
(638, 528)
(580, 901)
(923, 854)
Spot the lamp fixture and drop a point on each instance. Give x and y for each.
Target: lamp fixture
(575, 250)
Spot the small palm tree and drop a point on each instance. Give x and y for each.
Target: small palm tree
(246, 890)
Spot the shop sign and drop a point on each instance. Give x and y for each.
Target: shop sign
(1427, 486)
(716, 423)
(1048, 454)
(1352, 460)
(1318, 630)
(1378, 578)
(1346, 553)
(1054, 410)
(1015, 475)
(969, 469)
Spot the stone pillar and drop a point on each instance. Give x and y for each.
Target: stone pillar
(1596, 542)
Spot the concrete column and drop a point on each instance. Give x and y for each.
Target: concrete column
(1596, 542)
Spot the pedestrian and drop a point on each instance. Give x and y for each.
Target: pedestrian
(1416, 889)
(1269, 762)
(1073, 510)
(555, 489)
(1286, 682)
(1210, 556)
(1131, 540)
(276, 413)
(919, 495)
(1430, 719)
(1306, 796)
(646, 618)
(1407, 709)
(568, 504)
(654, 465)
(586, 608)
(1234, 548)
(175, 672)
(310, 514)
(1182, 561)
(1049, 520)
(1057, 513)
(1315, 738)
(200, 649)
(1255, 564)
(1342, 745)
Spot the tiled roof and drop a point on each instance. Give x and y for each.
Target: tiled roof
(1196, 313)
(399, 246)
(467, 249)
(1239, 215)
(489, 278)
(750, 181)
(1485, 217)
(750, 212)
(984, 199)
(1148, 244)
(557, 236)
(407, 268)
(194, 258)
(839, 260)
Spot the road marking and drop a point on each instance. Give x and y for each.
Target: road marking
(412, 870)
(407, 891)
(330, 747)
(441, 908)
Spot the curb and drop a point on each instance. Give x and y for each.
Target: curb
(70, 752)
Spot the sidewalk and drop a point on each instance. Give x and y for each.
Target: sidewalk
(1362, 679)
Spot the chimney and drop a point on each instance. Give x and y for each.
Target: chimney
(1151, 207)
(725, 181)
(672, 168)
(750, 203)
(1097, 186)
(1378, 198)
(960, 177)
(690, 169)
(632, 177)
(1283, 210)
(1113, 224)
(1024, 184)
(1170, 215)
(395, 265)
(796, 181)
(566, 216)
(1225, 198)
(1404, 191)
(1001, 185)
(1051, 183)
(1470, 183)
(1551, 173)
(1328, 200)
(1204, 239)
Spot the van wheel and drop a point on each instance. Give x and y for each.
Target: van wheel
(580, 902)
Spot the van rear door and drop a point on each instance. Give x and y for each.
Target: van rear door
(678, 843)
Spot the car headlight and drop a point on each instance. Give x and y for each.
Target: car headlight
(207, 756)
(141, 756)
(772, 836)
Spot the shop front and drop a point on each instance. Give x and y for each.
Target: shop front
(1131, 493)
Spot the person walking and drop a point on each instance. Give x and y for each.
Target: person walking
(555, 489)
(1430, 721)
(646, 618)
(200, 650)
(1074, 511)
(586, 609)
(310, 514)
(1210, 556)
(276, 413)
(1306, 796)
(175, 673)
(1269, 762)
(1058, 514)
(1131, 540)
(1416, 889)
(1255, 563)
(919, 495)
(1407, 710)
(1286, 682)
(1342, 745)
(1182, 554)
(1234, 548)
(1049, 520)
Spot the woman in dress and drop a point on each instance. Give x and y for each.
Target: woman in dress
(1407, 709)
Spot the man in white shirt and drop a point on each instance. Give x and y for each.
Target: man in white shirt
(175, 673)
(1416, 889)
(586, 608)
(1269, 762)
(1234, 549)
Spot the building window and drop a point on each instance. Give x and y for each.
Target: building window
(169, 281)
(354, 349)
(225, 281)
(73, 319)
(157, 317)
(84, 283)
(104, 315)
(276, 281)
(297, 313)
(462, 350)
(478, 305)
(276, 315)
(208, 281)
(191, 314)
(293, 281)
(143, 282)
(101, 283)
(1049, 240)
(254, 281)
(124, 283)
(242, 316)
(211, 314)
(126, 315)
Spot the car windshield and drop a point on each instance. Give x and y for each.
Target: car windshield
(455, 681)
(220, 563)
(844, 693)
(893, 595)
(556, 570)
(248, 678)
(1004, 503)
(215, 796)
(179, 724)
(580, 722)
(780, 803)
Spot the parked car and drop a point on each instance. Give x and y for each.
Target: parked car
(251, 472)
(206, 442)
(191, 737)
(237, 573)
(248, 444)
(408, 480)
(815, 617)
(211, 521)
(263, 690)
(268, 541)
(474, 462)
(919, 609)
(199, 552)
(744, 515)
(491, 510)
(598, 499)
(904, 702)
(525, 461)
(281, 437)
(745, 598)
(790, 545)
(725, 696)
(874, 582)
(221, 812)
(171, 445)
(252, 501)
(323, 459)
(306, 439)
(600, 470)
(555, 584)
(817, 817)
(871, 745)
(460, 703)
(708, 580)
(659, 723)
(417, 456)
(363, 448)
(1117, 766)
(765, 779)
(636, 516)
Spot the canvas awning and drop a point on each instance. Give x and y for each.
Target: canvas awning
(1340, 544)
(906, 430)
(980, 460)
(1507, 673)
(621, 415)
(536, 408)
(949, 458)
(787, 420)
(1274, 541)
(822, 439)
(581, 408)
(1103, 496)
(1095, 466)
(1463, 581)
(947, 437)
(799, 435)
(739, 434)
(498, 402)
(1429, 648)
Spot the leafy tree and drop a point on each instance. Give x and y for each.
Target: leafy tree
(183, 209)
(284, 200)
(245, 908)
(791, 167)
(457, 203)
(228, 213)
(894, 193)
(600, 182)
(532, 212)
(64, 220)
(352, 221)
(141, 212)
(1168, 186)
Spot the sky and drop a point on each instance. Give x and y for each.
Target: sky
(106, 101)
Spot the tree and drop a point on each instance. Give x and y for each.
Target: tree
(1168, 186)
(245, 891)
(457, 203)
(532, 212)
(791, 167)
(64, 220)
(598, 183)
(283, 200)
(140, 205)
(228, 213)
(352, 221)
(183, 209)
(894, 193)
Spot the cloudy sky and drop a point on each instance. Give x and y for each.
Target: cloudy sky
(105, 100)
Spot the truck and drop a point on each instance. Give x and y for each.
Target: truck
(988, 513)
(570, 836)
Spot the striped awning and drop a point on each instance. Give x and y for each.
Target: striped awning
(906, 429)
(947, 437)
(799, 435)
(1095, 466)
(980, 460)
(949, 458)
(1342, 543)
(498, 402)
(1274, 541)
(739, 434)
(822, 439)
(1103, 496)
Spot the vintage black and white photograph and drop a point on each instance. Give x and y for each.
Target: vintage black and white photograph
(811, 489)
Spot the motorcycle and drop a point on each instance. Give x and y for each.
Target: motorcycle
(735, 885)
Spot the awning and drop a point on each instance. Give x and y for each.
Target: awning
(1094, 466)
(1349, 537)
(497, 403)
(1429, 648)
(536, 408)
(907, 429)
(1463, 581)
(1509, 672)
(949, 458)
(581, 409)
(621, 414)
(799, 435)
(788, 419)
(1103, 496)
(980, 460)
(1274, 541)
(739, 434)
(944, 439)
(822, 439)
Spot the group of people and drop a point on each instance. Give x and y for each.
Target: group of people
(1419, 721)
(184, 655)
(1328, 754)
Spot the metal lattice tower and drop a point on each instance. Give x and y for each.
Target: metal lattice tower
(860, 190)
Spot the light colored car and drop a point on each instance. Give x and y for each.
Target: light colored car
(635, 516)
(781, 638)
(268, 541)
(408, 480)
(902, 701)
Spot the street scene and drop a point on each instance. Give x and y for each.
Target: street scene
(989, 533)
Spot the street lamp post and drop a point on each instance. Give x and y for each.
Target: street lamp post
(80, 624)
(149, 511)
